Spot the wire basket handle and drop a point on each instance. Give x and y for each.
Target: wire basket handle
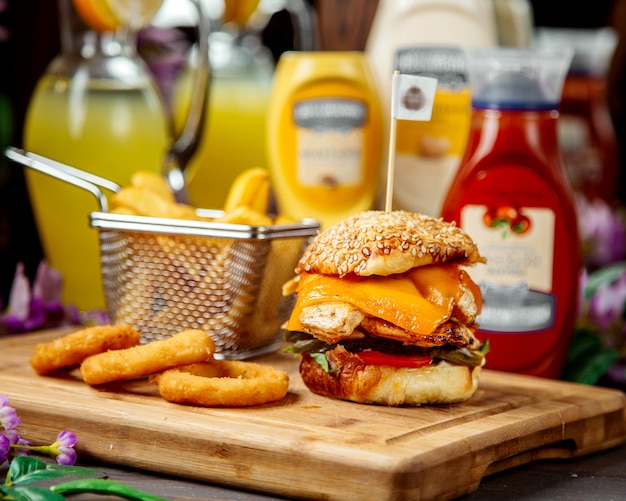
(77, 177)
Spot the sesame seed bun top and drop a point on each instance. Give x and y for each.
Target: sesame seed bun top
(384, 243)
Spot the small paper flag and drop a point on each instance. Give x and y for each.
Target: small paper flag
(412, 97)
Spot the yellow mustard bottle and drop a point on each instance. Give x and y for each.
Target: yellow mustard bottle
(324, 135)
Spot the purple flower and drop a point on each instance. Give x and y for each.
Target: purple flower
(606, 307)
(617, 373)
(10, 421)
(48, 284)
(64, 448)
(11, 443)
(40, 308)
(16, 440)
(5, 448)
(164, 51)
(8, 416)
(19, 298)
(602, 232)
(90, 317)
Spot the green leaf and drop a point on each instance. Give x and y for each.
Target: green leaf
(588, 359)
(582, 343)
(485, 348)
(28, 469)
(101, 486)
(75, 471)
(604, 275)
(22, 466)
(59, 471)
(594, 367)
(321, 359)
(22, 493)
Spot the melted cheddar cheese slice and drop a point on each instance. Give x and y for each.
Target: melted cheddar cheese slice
(418, 300)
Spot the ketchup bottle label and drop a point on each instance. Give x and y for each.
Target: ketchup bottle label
(516, 284)
(329, 142)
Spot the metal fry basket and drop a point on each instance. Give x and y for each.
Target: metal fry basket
(166, 275)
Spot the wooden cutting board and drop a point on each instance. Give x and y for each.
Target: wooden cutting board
(308, 446)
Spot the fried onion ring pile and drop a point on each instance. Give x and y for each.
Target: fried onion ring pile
(223, 383)
(182, 366)
(187, 347)
(72, 349)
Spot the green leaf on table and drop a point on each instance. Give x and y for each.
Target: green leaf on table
(28, 469)
(104, 487)
(24, 493)
(22, 466)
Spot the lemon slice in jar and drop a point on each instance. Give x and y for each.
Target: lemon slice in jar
(108, 15)
(239, 11)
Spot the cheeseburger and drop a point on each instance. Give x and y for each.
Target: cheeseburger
(385, 312)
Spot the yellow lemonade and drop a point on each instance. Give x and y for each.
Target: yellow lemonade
(106, 129)
(233, 137)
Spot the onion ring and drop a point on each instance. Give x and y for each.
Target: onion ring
(223, 383)
(186, 347)
(72, 349)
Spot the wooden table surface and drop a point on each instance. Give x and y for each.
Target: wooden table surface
(511, 421)
(597, 477)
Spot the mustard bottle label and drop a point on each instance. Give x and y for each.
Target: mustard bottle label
(324, 135)
(329, 142)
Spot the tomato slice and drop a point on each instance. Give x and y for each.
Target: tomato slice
(372, 357)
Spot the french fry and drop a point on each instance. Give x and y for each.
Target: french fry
(123, 210)
(261, 198)
(180, 253)
(152, 181)
(191, 279)
(137, 296)
(245, 215)
(206, 282)
(249, 189)
(146, 202)
(270, 310)
(284, 219)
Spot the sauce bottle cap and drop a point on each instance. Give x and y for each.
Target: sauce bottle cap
(445, 63)
(514, 78)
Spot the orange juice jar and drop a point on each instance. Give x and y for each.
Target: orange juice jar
(324, 135)
(97, 109)
(233, 135)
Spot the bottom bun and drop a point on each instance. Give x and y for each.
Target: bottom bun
(353, 380)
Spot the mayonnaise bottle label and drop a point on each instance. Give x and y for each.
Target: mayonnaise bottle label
(428, 153)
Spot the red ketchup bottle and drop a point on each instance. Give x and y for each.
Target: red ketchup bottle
(513, 196)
